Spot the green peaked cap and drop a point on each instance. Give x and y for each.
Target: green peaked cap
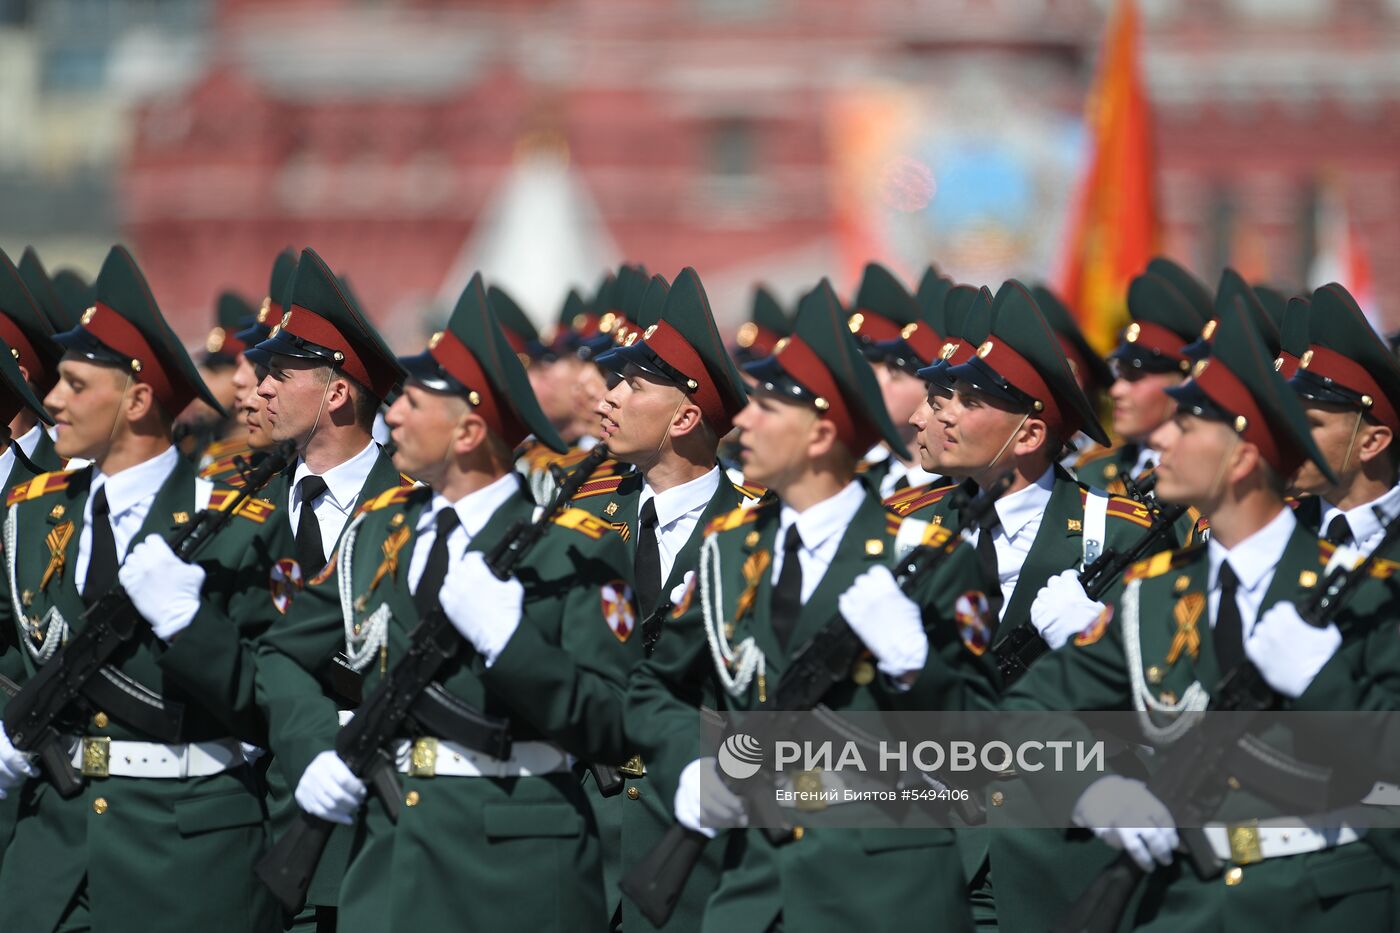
(26, 330)
(15, 391)
(823, 365)
(767, 324)
(279, 291)
(1237, 384)
(520, 330)
(632, 281)
(472, 357)
(1163, 323)
(919, 340)
(574, 305)
(932, 296)
(882, 306)
(233, 314)
(1084, 359)
(1021, 361)
(683, 347)
(1293, 336)
(1189, 287)
(1234, 288)
(74, 295)
(124, 328)
(322, 322)
(967, 319)
(1274, 301)
(62, 316)
(1346, 362)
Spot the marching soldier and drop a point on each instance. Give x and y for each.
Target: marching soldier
(1185, 620)
(786, 567)
(1147, 363)
(202, 435)
(28, 335)
(174, 788)
(484, 839)
(674, 394)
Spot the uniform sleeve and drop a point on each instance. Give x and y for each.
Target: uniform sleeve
(572, 690)
(960, 673)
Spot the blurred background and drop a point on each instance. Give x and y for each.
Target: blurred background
(413, 141)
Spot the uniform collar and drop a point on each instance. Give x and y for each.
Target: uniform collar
(1257, 556)
(1016, 510)
(126, 488)
(30, 440)
(829, 517)
(1361, 519)
(344, 481)
(672, 503)
(474, 509)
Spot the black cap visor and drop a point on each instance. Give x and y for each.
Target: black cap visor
(81, 341)
(983, 378)
(644, 358)
(253, 334)
(1191, 400)
(1314, 388)
(285, 344)
(936, 376)
(770, 375)
(1131, 356)
(896, 353)
(425, 370)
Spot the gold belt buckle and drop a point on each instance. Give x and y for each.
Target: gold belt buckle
(97, 752)
(807, 785)
(633, 767)
(1244, 843)
(423, 761)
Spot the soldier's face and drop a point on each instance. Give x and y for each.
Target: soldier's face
(979, 433)
(1197, 458)
(637, 413)
(1140, 402)
(928, 433)
(553, 382)
(294, 396)
(776, 439)
(423, 425)
(86, 403)
(248, 405)
(1344, 444)
(588, 392)
(903, 395)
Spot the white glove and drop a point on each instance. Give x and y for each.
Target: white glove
(163, 588)
(484, 610)
(1062, 609)
(888, 623)
(1111, 803)
(1288, 651)
(678, 591)
(704, 802)
(328, 790)
(15, 765)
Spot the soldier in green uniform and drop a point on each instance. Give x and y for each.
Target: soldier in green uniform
(786, 567)
(165, 831)
(1007, 403)
(489, 836)
(28, 333)
(201, 434)
(759, 335)
(674, 394)
(1147, 362)
(325, 372)
(1182, 621)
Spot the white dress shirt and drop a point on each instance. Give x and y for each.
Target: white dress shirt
(334, 509)
(913, 475)
(1254, 561)
(1145, 456)
(821, 527)
(1366, 529)
(474, 510)
(1018, 521)
(678, 511)
(27, 442)
(130, 493)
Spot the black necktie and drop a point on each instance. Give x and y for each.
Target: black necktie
(1229, 630)
(435, 570)
(1339, 531)
(786, 604)
(311, 553)
(102, 560)
(647, 565)
(987, 561)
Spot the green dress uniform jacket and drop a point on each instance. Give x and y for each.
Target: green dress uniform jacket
(1045, 868)
(149, 854)
(1105, 467)
(470, 852)
(633, 822)
(1162, 613)
(874, 879)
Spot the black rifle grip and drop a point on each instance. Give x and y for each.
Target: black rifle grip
(607, 778)
(655, 883)
(287, 867)
(383, 779)
(56, 761)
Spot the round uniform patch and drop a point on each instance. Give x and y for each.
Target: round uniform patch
(971, 612)
(617, 609)
(1094, 631)
(283, 581)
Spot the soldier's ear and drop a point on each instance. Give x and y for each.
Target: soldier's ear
(139, 402)
(1034, 435)
(1375, 440)
(822, 438)
(469, 433)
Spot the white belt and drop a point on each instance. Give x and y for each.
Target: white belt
(1255, 841)
(428, 757)
(1383, 794)
(99, 756)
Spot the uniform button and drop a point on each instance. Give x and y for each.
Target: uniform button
(99, 720)
(633, 793)
(797, 833)
(412, 798)
(997, 798)
(1234, 876)
(99, 806)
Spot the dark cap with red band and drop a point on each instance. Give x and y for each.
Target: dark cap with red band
(124, 328)
(1088, 367)
(1345, 362)
(26, 331)
(1233, 288)
(822, 365)
(324, 323)
(882, 309)
(474, 358)
(1163, 323)
(767, 324)
(233, 314)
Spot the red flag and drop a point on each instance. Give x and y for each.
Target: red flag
(1113, 229)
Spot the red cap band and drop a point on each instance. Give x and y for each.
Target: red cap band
(1226, 390)
(666, 342)
(923, 341)
(459, 361)
(1156, 338)
(873, 326)
(1014, 369)
(39, 374)
(802, 363)
(126, 338)
(1346, 372)
(310, 326)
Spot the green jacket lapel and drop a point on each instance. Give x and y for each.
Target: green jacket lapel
(174, 498)
(1058, 545)
(725, 499)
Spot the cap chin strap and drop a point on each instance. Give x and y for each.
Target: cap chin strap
(661, 442)
(1351, 444)
(1011, 437)
(320, 409)
(117, 418)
